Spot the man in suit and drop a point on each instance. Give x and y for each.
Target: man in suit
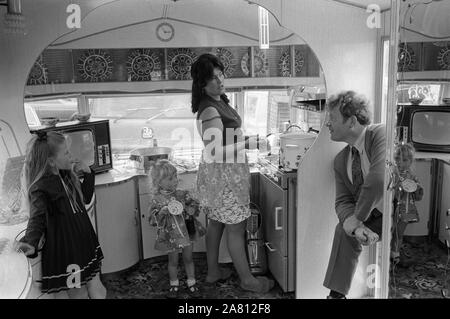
(359, 175)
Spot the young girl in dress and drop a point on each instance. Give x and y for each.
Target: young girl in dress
(174, 214)
(71, 253)
(407, 190)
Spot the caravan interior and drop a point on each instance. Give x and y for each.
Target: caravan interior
(124, 65)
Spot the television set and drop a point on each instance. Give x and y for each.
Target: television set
(88, 141)
(427, 127)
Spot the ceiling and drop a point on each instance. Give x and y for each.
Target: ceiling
(364, 4)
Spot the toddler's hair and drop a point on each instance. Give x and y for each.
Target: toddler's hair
(162, 169)
(404, 150)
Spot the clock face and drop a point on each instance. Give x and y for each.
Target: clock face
(165, 31)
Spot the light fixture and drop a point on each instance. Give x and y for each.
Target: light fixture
(263, 19)
(14, 20)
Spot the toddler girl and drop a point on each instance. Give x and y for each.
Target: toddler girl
(174, 214)
(407, 190)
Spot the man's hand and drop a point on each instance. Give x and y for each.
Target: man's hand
(365, 236)
(350, 224)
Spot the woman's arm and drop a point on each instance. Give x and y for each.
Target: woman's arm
(212, 134)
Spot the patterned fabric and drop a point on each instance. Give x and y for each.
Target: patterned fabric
(70, 240)
(231, 212)
(357, 175)
(213, 178)
(406, 209)
(172, 233)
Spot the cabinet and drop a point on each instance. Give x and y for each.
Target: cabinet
(423, 171)
(444, 219)
(278, 211)
(118, 225)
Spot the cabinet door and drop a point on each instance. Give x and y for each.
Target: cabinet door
(423, 172)
(118, 225)
(444, 219)
(148, 231)
(273, 203)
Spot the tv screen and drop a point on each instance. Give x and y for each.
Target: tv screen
(431, 127)
(82, 145)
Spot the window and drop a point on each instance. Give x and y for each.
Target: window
(61, 108)
(139, 121)
(429, 92)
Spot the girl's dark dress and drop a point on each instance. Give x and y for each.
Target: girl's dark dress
(70, 240)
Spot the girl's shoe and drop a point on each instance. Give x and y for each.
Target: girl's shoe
(194, 291)
(173, 292)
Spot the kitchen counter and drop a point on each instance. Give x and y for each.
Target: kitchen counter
(441, 156)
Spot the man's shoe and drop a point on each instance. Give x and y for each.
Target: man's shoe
(330, 297)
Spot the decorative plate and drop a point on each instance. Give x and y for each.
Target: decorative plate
(285, 63)
(141, 64)
(180, 62)
(228, 61)
(443, 58)
(175, 207)
(406, 57)
(261, 65)
(38, 73)
(95, 65)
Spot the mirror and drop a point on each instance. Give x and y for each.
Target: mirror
(142, 81)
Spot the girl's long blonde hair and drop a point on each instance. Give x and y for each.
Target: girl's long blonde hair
(40, 149)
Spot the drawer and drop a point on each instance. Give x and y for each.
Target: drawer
(278, 266)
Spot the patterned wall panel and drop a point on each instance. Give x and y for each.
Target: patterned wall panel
(410, 57)
(160, 64)
(436, 56)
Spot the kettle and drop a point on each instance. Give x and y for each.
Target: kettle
(256, 252)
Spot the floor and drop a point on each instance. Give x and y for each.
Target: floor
(149, 279)
(428, 276)
(428, 273)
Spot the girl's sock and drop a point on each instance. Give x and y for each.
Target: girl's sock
(190, 282)
(174, 282)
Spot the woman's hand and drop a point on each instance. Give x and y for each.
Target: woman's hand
(263, 145)
(27, 249)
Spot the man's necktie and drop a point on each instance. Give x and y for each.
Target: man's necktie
(357, 176)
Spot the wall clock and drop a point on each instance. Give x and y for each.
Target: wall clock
(165, 31)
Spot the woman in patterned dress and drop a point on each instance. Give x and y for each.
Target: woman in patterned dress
(223, 177)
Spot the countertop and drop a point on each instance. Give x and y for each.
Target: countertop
(441, 156)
